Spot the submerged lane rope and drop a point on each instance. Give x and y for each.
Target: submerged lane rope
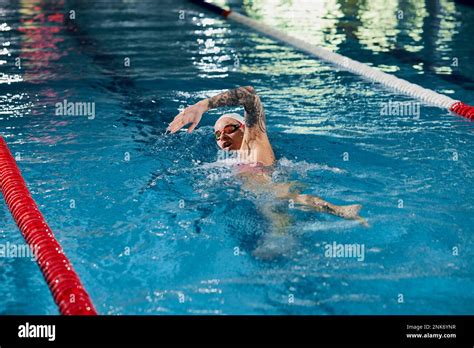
(348, 64)
(65, 285)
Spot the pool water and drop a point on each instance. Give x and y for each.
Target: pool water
(155, 224)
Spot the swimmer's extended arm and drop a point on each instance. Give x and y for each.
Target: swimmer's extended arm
(246, 97)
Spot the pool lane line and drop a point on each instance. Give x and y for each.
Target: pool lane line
(346, 63)
(63, 282)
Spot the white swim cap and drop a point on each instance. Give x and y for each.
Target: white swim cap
(234, 116)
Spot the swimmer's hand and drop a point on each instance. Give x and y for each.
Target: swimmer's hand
(192, 114)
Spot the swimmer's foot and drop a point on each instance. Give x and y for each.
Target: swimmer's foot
(348, 211)
(345, 211)
(362, 221)
(352, 212)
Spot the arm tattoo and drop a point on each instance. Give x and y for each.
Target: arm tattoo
(245, 96)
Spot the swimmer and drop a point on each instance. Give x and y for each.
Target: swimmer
(248, 137)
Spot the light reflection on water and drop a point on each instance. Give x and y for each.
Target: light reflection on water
(314, 21)
(375, 23)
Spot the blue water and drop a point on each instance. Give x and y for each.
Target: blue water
(154, 224)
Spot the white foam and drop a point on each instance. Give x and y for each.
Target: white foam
(303, 166)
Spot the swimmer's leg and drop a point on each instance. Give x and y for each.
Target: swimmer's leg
(263, 183)
(345, 211)
(277, 241)
(290, 191)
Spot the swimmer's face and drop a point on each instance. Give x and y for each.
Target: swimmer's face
(230, 132)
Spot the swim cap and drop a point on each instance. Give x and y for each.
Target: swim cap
(234, 116)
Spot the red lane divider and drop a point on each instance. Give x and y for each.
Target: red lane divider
(211, 7)
(463, 110)
(66, 287)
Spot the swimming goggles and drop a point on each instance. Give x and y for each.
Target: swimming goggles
(229, 129)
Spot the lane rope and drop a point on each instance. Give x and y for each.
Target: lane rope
(373, 74)
(65, 285)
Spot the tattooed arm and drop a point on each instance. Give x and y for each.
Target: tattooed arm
(245, 96)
